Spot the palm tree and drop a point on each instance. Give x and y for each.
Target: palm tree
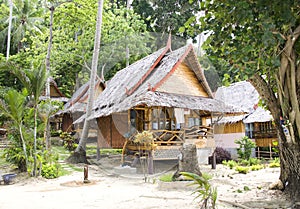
(12, 105)
(80, 152)
(9, 28)
(34, 81)
(26, 18)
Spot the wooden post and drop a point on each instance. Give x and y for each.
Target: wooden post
(214, 162)
(150, 162)
(270, 146)
(86, 174)
(258, 154)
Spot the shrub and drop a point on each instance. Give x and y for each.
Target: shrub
(245, 147)
(254, 161)
(50, 171)
(275, 163)
(231, 164)
(242, 169)
(256, 167)
(221, 155)
(69, 141)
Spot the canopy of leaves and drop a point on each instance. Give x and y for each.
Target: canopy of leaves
(247, 37)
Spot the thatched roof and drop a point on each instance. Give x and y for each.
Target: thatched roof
(244, 96)
(137, 85)
(241, 94)
(77, 103)
(259, 115)
(55, 93)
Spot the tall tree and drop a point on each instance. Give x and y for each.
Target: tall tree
(9, 28)
(80, 152)
(26, 20)
(259, 41)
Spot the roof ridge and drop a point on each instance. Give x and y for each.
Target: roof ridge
(145, 76)
(179, 61)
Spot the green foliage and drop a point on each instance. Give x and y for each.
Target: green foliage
(256, 167)
(242, 169)
(245, 147)
(275, 163)
(111, 151)
(166, 177)
(69, 141)
(50, 171)
(204, 190)
(251, 161)
(230, 163)
(15, 155)
(246, 188)
(178, 17)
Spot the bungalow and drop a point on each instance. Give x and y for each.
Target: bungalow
(256, 122)
(76, 107)
(165, 93)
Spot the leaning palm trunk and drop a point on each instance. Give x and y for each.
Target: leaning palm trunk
(79, 155)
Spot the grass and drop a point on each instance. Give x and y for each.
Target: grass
(166, 177)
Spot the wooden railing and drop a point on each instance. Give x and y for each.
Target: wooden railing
(168, 137)
(272, 133)
(198, 132)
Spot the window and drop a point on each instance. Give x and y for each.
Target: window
(193, 122)
(163, 119)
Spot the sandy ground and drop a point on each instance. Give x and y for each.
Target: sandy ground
(110, 191)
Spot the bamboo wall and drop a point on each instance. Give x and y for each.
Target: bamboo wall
(227, 128)
(67, 123)
(112, 129)
(183, 81)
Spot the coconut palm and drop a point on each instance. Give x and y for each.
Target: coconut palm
(80, 152)
(26, 18)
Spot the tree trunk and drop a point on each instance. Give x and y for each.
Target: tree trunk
(286, 105)
(290, 169)
(34, 171)
(24, 147)
(80, 152)
(9, 28)
(47, 63)
(188, 161)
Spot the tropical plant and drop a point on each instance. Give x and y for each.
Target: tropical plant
(12, 105)
(242, 169)
(34, 81)
(46, 109)
(204, 190)
(26, 20)
(245, 147)
(275, 163)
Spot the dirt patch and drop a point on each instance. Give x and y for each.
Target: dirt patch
(78, 183)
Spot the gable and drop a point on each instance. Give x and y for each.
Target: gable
(183, 81)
